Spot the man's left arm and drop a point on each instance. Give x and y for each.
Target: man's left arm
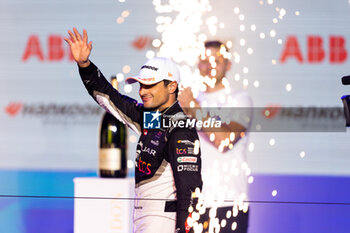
(185, 159)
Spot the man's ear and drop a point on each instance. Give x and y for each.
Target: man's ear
(172, 87)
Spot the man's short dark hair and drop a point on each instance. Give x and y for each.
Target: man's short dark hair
(166, 83)
(215, 44)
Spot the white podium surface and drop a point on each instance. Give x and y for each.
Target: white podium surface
(96, 210)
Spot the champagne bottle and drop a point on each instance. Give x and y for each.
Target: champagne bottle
(112, 151)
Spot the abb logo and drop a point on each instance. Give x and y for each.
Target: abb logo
(316, 53)
(315, 50)
(56, 51)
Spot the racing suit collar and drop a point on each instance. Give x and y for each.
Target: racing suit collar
(174, 108)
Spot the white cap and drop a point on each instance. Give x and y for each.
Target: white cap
(155, 70)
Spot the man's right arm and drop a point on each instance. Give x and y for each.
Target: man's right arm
(124, 108)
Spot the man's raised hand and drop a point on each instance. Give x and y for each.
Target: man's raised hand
(79, 47)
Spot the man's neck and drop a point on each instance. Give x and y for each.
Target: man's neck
(166, 107)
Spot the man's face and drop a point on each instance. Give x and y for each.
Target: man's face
(206, 64)
(155, 96)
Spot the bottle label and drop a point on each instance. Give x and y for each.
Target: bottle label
(110, 159)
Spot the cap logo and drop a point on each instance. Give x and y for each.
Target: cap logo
(170, 74)
(149, 67)
(147, 79)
